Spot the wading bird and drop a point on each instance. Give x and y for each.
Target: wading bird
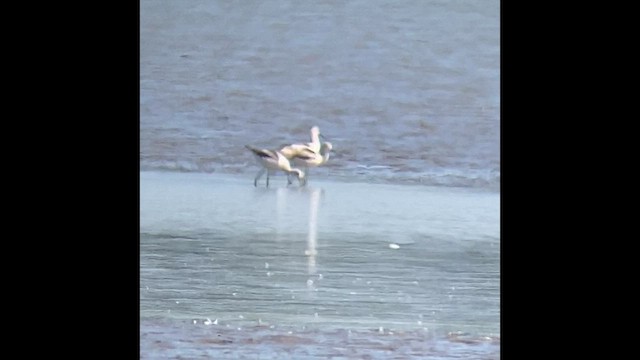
(274, 161)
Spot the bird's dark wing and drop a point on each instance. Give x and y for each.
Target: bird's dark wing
(263, 153)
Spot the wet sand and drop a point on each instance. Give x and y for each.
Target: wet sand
(195, 340)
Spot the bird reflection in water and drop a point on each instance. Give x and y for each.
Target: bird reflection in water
(283, 213)
(312, 233)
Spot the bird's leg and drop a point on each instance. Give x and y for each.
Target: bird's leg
(268, 173)
(306, 174)
(288, 179)
(302, 181)
(260, 173)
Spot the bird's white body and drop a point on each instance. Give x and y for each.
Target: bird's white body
(308, 158)
(274, 161)
(304, 156)
(293, 149)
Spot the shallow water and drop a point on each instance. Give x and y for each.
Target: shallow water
(391, 251)
(339, 263)
(407, 92)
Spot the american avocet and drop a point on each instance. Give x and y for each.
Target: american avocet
(290, 150)
(314, 145)
(274, 161)
(308, 158)
(305, 157)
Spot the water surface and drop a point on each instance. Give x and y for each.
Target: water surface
(330, 258)
(391, 251)
(407, 92)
